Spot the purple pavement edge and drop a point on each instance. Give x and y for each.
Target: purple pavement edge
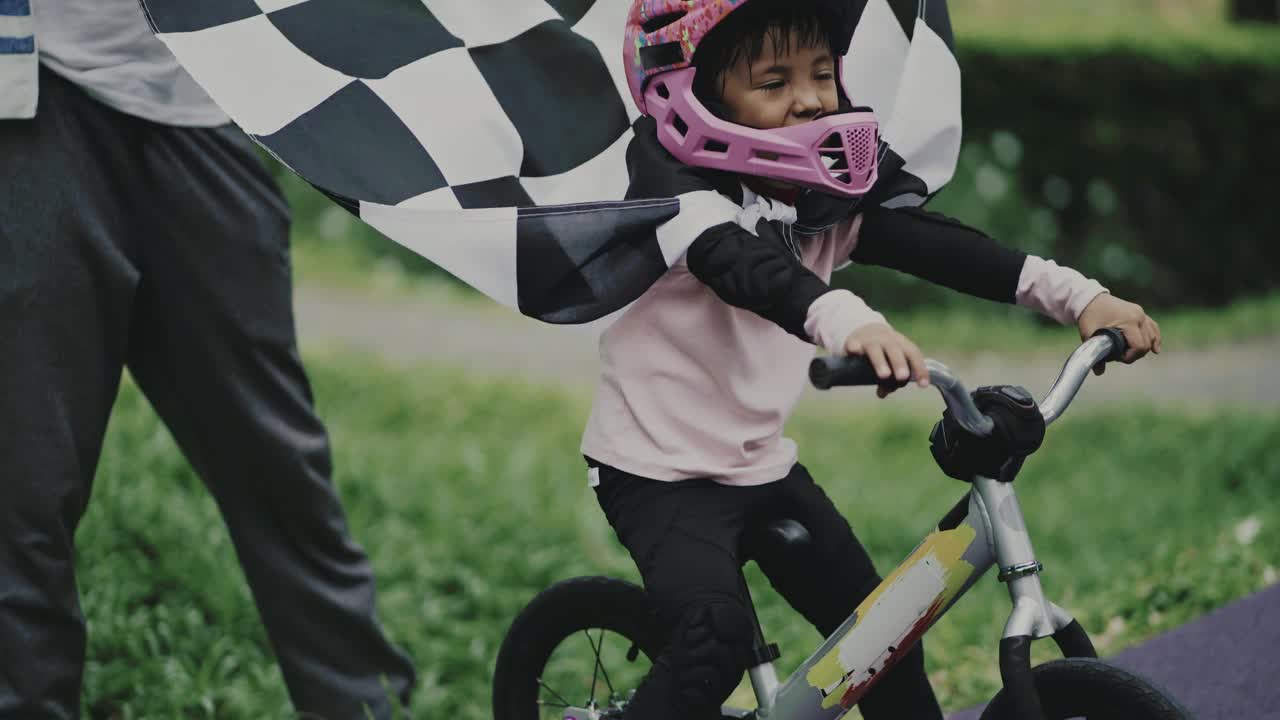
(1223, 666)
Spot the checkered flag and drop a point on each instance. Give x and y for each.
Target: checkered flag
(490, 137)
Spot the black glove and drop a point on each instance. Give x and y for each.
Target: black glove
(1018, 432)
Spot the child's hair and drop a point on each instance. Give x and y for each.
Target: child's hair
(743, 34)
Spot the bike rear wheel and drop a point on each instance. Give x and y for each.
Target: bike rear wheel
(584, 642)
(1094, 690)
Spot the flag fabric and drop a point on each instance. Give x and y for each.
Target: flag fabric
(490, 136)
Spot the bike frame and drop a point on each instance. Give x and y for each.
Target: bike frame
(984, 529)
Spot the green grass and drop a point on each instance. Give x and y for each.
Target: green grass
(1155, 14)
(470, 497)
(1177, 31)
(351, 263)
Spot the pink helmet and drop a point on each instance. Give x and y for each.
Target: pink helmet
(836, 153)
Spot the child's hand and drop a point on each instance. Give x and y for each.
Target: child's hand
(890, 353)
(1140, 330)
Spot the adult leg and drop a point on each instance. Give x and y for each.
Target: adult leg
(217, 357)
(828, 585)
(684, 539)
(67, 281)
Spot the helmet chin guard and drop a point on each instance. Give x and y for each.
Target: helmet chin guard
(835, 154)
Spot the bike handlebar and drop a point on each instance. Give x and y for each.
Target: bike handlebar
(1106, 345)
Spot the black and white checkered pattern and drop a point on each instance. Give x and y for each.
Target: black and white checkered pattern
(490, 136)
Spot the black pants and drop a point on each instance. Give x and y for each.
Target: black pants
(685, 537)
(127, 243)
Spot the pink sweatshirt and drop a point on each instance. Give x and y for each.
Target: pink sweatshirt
(692, 387)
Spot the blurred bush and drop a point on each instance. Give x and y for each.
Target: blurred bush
(1267, 11)
(334, 235)
(1149, 166)
(1145, 160)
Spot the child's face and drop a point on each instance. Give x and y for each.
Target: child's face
(781, 89)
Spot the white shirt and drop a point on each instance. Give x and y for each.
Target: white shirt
(107, 48)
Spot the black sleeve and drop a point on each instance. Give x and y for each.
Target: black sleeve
(756, 273)
(939, 249)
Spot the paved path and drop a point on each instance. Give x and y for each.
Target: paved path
(1224, 666)
(488, 338)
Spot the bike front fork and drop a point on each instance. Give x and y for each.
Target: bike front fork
(1033, 616)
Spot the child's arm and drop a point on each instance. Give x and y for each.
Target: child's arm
(941, 250)
(758, 273)
(949, 253)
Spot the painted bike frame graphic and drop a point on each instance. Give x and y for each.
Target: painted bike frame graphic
(891, 619)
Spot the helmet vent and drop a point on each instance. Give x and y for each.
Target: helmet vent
(715, 146)
(860, 141)
(662, 90)
(837, 167)
(680, 125)
(654, 24)
(661, 55)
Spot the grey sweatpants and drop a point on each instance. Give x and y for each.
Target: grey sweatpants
(127, 243)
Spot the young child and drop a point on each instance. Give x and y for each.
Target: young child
(700, 374)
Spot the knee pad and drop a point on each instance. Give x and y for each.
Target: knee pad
(710, 654)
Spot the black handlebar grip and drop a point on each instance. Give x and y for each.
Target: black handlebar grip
(1119, 346)
(832, 371)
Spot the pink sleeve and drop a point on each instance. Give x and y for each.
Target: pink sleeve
(834, 316)
(1058, 292)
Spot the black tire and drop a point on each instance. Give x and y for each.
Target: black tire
(559, 613)
(1093, 689)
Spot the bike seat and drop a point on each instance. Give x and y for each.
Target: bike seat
(774, 539)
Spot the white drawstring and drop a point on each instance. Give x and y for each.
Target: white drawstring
(758, 207)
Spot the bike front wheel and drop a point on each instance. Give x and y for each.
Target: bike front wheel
(582, 643)
(1093, 690)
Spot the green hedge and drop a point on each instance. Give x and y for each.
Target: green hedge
(1159, 166)
(1149, 162)
(1151, 165)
